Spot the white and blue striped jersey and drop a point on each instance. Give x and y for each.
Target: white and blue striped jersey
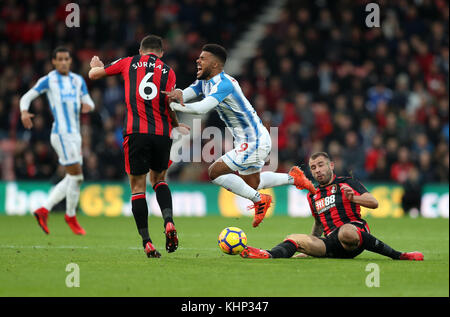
(65, 94)
(233, 108)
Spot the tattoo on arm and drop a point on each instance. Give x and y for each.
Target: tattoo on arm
(317, 229)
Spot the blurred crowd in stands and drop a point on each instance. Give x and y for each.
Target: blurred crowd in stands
(375, 98)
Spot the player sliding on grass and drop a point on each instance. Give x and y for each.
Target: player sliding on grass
(336, 208)
(251, 139)
(68, 97)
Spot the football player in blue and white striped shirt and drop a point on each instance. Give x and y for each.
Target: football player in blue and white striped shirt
(68, 97)
(251, 139)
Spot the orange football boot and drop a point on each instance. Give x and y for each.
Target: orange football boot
(300, 180)
(254, 253)
(412, 256)
(74, 225)
(261, 208)
(41, 216)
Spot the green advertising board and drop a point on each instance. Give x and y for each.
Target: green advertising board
(202, 199)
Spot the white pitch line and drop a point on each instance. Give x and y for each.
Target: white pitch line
(81, 247)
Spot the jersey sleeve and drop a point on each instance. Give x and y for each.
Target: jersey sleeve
(196, 87)
(309, 198)
(199, 107)
(115, 67)
(42, 85)
(84, 90)
(357, 186)
(221, 90)
(172, 81)
(171, 84)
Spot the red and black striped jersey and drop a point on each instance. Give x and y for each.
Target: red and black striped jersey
(145, 76)
(332, 208)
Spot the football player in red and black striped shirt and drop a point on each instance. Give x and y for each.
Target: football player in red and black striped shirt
(147, 129)
(336, 207)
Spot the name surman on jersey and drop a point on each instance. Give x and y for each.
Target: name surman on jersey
(145, 76)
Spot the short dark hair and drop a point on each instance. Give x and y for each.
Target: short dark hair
(216, 50)
(319, 154)
(60, 49)
(152, 43)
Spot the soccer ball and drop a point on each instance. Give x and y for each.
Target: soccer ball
(232, 240)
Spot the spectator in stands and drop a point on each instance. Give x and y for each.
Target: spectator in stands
(353, 156)
(381, 171)
(412, 193)
(401, 168)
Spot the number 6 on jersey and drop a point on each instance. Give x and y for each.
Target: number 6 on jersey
(145, 84)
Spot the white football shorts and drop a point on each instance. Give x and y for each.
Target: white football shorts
(249, 158)
(67, 147)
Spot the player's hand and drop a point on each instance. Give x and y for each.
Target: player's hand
(349, 193)
(26, 119)
(96, 62)
(175, 106)
(85, 108)
(175, 95)
(184, 129)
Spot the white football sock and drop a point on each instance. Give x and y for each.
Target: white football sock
(73, 194)
(271, 179)
(238, 186)
(57, 194)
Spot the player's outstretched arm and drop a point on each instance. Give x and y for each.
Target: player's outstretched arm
(365, 200)
(200, 107)
(317, 229)
(187, 94)
(176, 95)
(97, 73)
(97, 69)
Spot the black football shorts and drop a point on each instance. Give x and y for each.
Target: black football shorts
(144, 152)
(334, 248)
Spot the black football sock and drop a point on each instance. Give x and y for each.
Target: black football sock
(285, 249)
(370, 243)
(164, 198)
(140, 213)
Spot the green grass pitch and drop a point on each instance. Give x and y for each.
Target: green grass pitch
(112, 263)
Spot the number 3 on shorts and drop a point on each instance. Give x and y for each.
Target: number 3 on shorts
(144, 87)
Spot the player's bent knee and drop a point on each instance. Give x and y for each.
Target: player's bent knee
(218, 168)
(307, 244)
(76, 178)
(212, 174)
(349, 237)
(299, 239)
(253, 183)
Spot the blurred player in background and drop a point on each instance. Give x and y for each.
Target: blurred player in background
(68, 97)
(147, 131)
(251, 139)
(336, 209)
